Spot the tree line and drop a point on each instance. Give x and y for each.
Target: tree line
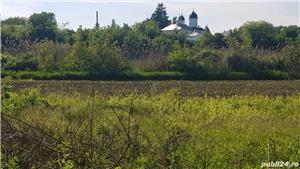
(256, 49)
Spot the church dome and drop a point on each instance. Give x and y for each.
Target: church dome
(193, 15)
(181, 17)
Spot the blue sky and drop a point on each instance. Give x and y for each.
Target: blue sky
(219, 15)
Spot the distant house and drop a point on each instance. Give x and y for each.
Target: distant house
(194, 32)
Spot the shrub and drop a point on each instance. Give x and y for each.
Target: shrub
(22, 62)
(50, 55)
(245, 60)
(8, 62)
(25, 99)
(151, 131)
(182, 59)
(104, 58)
(292, 58)
(212, 61)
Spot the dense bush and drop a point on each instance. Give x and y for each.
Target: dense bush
(84, 75)
(24, 62)
(292, 58)
(183, 59)
(216, 41)
(98, 56)
(213, 61)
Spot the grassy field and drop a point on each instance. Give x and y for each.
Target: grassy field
(226, 124)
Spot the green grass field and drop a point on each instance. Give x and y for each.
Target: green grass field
(168, 128)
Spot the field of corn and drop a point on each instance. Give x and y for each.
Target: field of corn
(149, 125)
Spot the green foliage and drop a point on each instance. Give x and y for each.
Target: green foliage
(289, 33)
(50, 55)
(149, 28)
(13, 32)
(134, 43)
(15, 21)
(81, 36)
(242, 60)
(14, 28)
(155, 131)
(182, 59)
(84, 75)
(164, 43)
(8, 62)
(197, 63)
(43, 26)
(256, 50)
(212, 61)
(25, 99)
(95, 57)
(292, 58)
(259, 34)
(160, 16)
(103, 58)
(259, 65)
(25, 62)
(217, 41)
(66, 36)
(13, 163)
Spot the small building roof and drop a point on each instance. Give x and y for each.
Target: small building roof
(177, 26)
(172, 27)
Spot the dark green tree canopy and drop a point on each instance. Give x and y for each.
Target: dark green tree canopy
(15, 21)
(216, 41)
(43, 26)
(290, 32)
(259, 34)
(148, 28)
(160, 16)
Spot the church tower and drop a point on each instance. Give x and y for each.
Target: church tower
(97, 24)
(193, 22)
(181, 20)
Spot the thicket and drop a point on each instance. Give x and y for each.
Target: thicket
(155, 131)
(258, 49)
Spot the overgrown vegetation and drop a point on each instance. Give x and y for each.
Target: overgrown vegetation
(185, 88)
(258, 50)
(155, 131)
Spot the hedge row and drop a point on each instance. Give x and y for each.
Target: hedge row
(137, 75)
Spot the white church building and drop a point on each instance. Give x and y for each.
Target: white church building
(193, 30)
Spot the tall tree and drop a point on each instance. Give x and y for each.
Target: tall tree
(15, 21)
(216, 41)
(14, 29)
(259, 34)
(160, 16)
(43, 26)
